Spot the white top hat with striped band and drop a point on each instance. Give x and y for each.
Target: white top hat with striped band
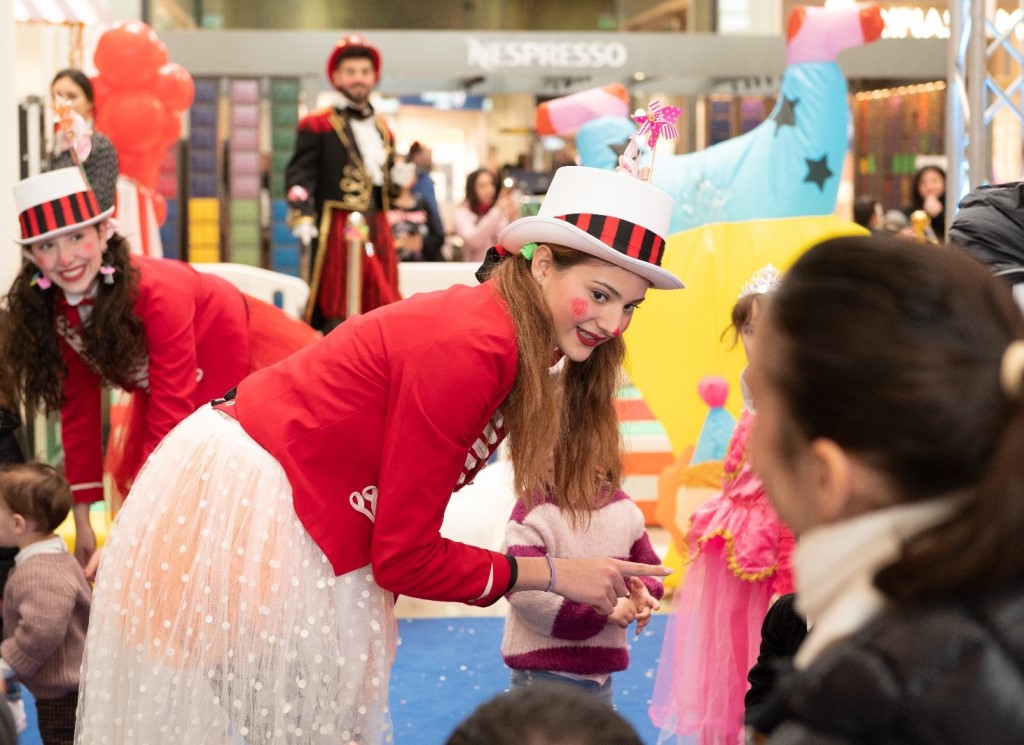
(55, 203)
(613, 216)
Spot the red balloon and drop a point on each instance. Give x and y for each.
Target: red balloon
(171, 129)
(133, 120)
(102, 90)
(143, 167)
(130, 55)
(159, 208)
(174, 87)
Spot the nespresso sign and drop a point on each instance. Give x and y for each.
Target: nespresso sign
(496, 55)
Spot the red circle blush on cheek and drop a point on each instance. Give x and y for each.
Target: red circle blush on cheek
(579, 307)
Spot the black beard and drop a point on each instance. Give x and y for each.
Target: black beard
(358, 102)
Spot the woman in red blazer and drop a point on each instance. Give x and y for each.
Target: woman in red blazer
(250, 583)
(84, 314)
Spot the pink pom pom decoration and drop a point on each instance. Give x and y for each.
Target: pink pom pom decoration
(713, 390)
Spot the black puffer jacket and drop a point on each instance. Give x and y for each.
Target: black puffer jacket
(945, 674)
(990, 225)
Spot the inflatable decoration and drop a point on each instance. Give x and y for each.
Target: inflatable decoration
(599, 141)
(564, 115)
(760, 198)
(675, 339)
(140, 98)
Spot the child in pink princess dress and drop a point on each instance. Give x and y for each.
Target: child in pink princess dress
(740, 563)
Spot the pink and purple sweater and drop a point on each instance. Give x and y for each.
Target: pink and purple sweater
(544, 631)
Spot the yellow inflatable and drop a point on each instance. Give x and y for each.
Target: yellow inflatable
(675, 338)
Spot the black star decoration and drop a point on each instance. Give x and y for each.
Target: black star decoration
(817, 172)
(617, 148)
(785, 115)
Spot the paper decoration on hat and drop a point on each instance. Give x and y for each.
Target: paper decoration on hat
(566, 114)
(655, 122)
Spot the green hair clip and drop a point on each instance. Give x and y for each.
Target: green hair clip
(527, 251)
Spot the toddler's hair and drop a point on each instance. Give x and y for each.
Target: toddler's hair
(37, 492)
(544, 714)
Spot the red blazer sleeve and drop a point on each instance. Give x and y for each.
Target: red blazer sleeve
(439, 403)
(81, 428)
(168, 317)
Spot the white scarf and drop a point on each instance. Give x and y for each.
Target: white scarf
(834, 567)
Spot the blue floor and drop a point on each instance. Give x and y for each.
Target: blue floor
(446, 667)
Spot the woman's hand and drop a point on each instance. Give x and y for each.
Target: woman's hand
(596, 582)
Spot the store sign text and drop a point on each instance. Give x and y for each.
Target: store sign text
(903, 22)
(493, 55)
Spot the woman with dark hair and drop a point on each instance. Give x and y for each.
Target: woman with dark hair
(83, 315)
(266, 540)
(890, 436)
(71, 91)
(929, 195)
(484, 214)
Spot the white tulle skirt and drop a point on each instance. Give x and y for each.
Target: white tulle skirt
(215, 617)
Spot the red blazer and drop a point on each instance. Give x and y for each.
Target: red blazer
(197, 345)
(379, 423)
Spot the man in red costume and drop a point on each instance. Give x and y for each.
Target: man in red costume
(341, 164)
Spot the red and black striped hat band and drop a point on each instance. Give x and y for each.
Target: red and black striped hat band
(629, 239)
(63, 212)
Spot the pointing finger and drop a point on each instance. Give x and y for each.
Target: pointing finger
(633, 569)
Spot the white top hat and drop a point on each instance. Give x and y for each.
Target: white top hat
(55, 203)
(613, 216)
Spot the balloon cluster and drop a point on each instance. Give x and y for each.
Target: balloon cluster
(139, 98)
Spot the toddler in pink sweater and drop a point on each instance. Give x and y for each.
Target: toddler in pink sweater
(551, 639)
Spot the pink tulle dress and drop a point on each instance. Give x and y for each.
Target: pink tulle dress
(740, 558)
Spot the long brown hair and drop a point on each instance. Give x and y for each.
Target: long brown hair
(892, 350)
(113, 335)
(574, 420)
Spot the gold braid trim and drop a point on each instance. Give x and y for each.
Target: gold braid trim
(730, 552)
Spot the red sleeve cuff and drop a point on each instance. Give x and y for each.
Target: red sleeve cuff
(85, 493)
(499, 581)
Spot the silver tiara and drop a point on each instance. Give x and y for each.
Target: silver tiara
(766, 279)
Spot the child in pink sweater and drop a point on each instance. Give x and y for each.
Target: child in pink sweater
(551, 639)
(46, 599)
